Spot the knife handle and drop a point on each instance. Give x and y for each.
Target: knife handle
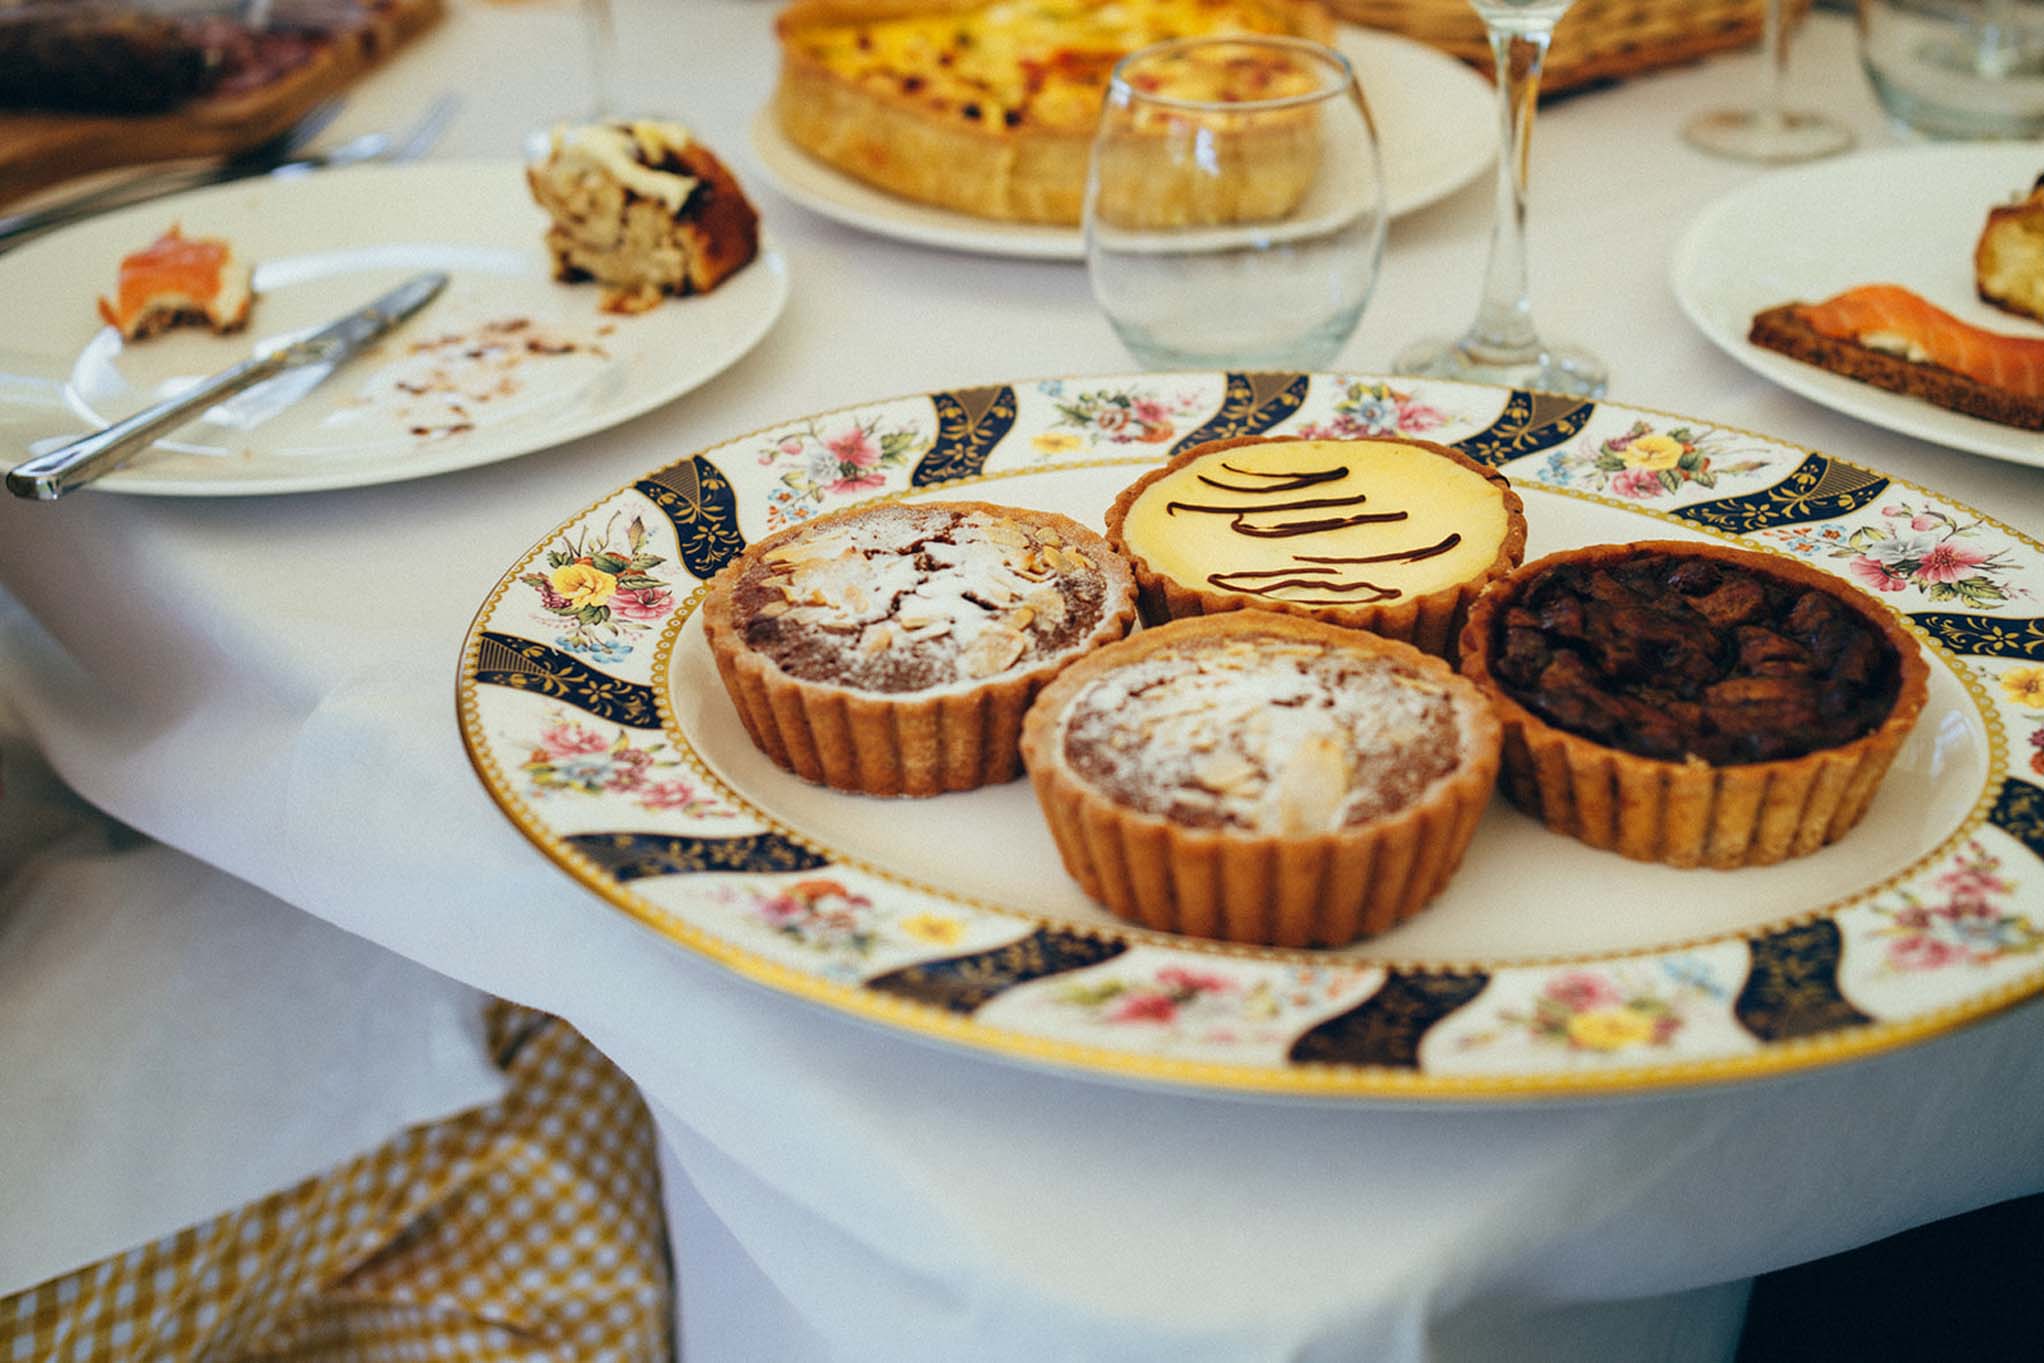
(49, 476)
(16, 228)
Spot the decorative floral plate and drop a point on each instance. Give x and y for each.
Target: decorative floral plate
(593, 714)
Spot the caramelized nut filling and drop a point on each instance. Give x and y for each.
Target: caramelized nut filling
(1669, 657)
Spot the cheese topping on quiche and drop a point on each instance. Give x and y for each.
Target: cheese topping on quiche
(1045, 63)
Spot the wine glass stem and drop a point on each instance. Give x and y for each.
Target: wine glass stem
(1775, 37)
(1504, 332)
(599, 33)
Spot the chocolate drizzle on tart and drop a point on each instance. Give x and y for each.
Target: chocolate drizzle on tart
(910, 598)
(1236, 580)
(1670, 657)
(1389, 535)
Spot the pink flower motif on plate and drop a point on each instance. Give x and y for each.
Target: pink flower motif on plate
(1934, 554)
(1968, 925)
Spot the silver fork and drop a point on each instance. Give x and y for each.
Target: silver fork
(279, 156)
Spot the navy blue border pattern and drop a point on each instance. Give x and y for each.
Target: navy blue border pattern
(970, 422)
(1792, 988)
(1819, 489)
(1530, 423)
(527, 665)
(698, 499)
(1984, 636)
(1252, 404)
(962, 984)
(2019, 812)
(1387, 1028)
(635, 856)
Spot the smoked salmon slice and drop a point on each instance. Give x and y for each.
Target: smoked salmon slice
(1890, 317)
(178, 279)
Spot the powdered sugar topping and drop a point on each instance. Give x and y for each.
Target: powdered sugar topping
(1271, 735)
(904, 598)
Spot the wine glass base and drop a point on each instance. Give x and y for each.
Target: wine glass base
(1750, 135)
(1556, 369)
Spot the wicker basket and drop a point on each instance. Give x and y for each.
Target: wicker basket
(1596, 40)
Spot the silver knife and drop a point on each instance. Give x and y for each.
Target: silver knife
(49, 476)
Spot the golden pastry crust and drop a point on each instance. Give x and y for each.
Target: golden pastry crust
(915, 743)
(1692, 813)
(1431, 622)
(1290, 890)
(2008, 260)
(894, 139)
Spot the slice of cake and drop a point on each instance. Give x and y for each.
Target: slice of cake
(177, 280)
(2008, 264)
(644, 210)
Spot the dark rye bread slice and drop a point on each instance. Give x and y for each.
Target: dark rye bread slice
(1783, 329)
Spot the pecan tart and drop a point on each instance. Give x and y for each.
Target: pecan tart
(989, 108)
(1693, 704)
(1261, 778)
(892, 649)
(1393, 536)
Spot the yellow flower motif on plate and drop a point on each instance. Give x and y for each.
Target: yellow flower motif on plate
(1058, 442)
(933, 928)
(583, 584)
(1610, 1029)
(2025, 686)
(1653, 452)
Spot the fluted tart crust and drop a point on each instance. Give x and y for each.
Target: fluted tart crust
(1693, 704)
(1262, 778)
(893, 649)
(1390, 535)
(986, 109)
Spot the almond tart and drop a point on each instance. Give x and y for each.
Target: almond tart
(1692, 704)
(1389, 535)
(1261, 778)
(892, 649)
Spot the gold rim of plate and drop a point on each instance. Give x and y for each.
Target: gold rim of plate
(1304, 1079)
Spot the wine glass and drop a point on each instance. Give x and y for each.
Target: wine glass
(1770, 133)
(1234, 212)
(1502, 345)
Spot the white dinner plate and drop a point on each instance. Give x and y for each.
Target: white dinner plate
(1907, 216)
(505, 362)
(594, 715)
(1435, 124)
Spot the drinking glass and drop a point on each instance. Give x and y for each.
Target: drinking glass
(1771, 133)
(1957, 68)
(1502, 345)
(1234, 213)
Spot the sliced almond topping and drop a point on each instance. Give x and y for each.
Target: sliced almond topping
(995, 650)
(876, 639)
(1049, 605)
(1223, 771)
(1020, 617)
(1048, 535)
(1312, 787)
(1007, 534)
(770, 609)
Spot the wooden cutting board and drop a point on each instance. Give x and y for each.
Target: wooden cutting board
(38, 149)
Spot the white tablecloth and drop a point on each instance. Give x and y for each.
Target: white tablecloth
(266, 686)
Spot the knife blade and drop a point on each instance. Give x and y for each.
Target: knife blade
(70, 466)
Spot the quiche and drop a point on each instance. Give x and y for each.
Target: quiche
(989, 109)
